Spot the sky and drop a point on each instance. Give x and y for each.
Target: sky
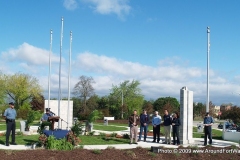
(160, 43)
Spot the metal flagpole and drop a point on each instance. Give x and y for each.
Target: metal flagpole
(59, 89)
(208, 50)
(69, 73)
(49, 74)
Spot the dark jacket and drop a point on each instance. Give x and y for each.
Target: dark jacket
(167, 120)
(131, 120)
(144, 118)
(176, 121)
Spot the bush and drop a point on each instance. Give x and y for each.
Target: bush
(73, 139)
(42, 139)
(62, 144)
(77, 128)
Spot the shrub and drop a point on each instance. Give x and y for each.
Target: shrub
(62, 144)
(73, 139)
(42, 139)
(77, 129)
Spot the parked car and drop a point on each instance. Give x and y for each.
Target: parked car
(227, 125)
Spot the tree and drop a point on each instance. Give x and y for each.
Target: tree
(125, 98)
(233, 114)
(148, 106)
(199, 110)
(2, 89)
(169, 103)
(38, 103)
(84, 89)
(21, 88)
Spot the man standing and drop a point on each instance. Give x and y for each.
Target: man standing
(10, 115)
(156, 121)
(133, 124)
(167, 126)
(207, 122)
(144, 120)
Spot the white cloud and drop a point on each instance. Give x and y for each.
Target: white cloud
(29, 54)
(70, 4)
(166, 79)
(118, 7)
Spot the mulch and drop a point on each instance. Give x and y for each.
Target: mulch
(115, 154)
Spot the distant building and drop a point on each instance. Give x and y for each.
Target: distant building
(216, 110)
(225, 108)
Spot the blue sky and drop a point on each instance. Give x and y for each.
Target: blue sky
(161, 43)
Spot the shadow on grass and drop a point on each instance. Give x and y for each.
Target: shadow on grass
(29, 141)
(114, 139)
(2, 142)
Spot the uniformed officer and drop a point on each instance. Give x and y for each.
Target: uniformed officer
(10, 115)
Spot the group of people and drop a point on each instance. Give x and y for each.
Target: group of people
(169, 122)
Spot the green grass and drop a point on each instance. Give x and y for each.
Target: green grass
(85, 140)
(216, 134)
(108, 128)
(98, 140)
(24, 140)
(3, 125)
(114, 124)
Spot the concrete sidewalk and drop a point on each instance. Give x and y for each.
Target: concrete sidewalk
(197, 142)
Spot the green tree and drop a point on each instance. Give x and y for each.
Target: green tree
(199, 110)
(125, 98)
(77, 105)
(21, 88)
(2, 89)
(169, 103)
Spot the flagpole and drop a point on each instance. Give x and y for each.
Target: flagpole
(208, 50)
(49, 73)
(59, 89)
(69, 74)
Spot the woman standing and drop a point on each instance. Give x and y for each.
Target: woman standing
(175, 127)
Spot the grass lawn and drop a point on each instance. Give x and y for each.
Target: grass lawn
(3, 125)
(108, 128)
(20, 139)
(85, 140)
(114, 124)
(216, 134)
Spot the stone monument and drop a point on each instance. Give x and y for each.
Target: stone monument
(186, 116)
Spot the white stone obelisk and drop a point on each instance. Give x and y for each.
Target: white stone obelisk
(186, 116)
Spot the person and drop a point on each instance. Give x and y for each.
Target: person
(45, 119)
(10, 115)
(176, 122)
(167, 126)
(133, 124)
(207, 122)
(144, 121)
(156, 121)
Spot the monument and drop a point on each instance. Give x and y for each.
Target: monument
(186, 116)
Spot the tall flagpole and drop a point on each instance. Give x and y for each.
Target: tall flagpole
(59, 89)
(69, 74)
(49, 73)
(208, 50)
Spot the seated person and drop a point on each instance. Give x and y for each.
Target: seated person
(45, 120)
